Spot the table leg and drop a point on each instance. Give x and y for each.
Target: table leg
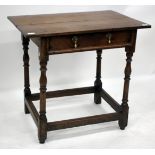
(27, 91)
(42, 128)
(125, 108)
(98, 82)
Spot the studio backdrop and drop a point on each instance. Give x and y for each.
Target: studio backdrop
(75, 70)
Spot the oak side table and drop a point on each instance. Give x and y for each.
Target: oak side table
(69, 33)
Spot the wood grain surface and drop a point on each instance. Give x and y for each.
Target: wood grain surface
(74, 23)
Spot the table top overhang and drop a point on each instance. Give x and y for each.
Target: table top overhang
(74, 23)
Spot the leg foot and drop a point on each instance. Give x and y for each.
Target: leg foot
(122, 125)
(97, 98)
(42, 140)
(42, 129)
(123, 122)
(27, 92)
(26, 109)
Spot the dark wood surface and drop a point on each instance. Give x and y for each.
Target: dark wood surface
(74, 23)
(65, 92)
(87, 42)
(76, 32)
(82, 121)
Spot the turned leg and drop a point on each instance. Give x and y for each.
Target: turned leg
(27, 91)
(98, 82)
(123, 121)
(42, 128)
(125, 108)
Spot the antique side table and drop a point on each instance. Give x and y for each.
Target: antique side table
(69, 33)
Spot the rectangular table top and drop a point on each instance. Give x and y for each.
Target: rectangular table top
(74, 23)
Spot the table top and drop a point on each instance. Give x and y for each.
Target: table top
(74, 23)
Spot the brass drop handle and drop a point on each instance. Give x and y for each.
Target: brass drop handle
(109, 36)
(75, 41)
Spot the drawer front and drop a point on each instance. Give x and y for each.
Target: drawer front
(73, 43)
